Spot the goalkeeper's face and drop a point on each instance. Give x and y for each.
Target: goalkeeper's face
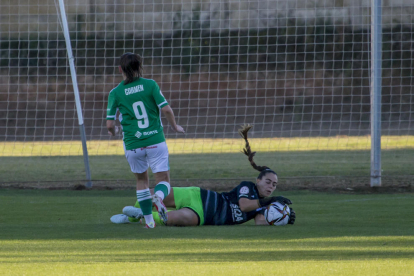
(267, 184)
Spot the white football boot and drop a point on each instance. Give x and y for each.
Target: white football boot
(133, 212)
(150, 225)
(120, 219)
(162, 210)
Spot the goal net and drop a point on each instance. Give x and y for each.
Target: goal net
(298, 71)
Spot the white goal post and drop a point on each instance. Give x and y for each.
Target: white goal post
(65, 28)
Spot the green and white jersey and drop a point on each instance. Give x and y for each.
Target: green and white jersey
(139, 103)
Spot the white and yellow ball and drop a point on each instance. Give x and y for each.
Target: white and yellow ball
(277, 214)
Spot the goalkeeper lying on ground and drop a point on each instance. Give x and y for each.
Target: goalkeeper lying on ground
(195, 206)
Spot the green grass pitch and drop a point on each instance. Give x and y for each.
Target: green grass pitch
(45, 232)
(208, 158)
(208, 166)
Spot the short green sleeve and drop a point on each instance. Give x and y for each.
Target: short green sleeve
(112, 106)
(158, 96)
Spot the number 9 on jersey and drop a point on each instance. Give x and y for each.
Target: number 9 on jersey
(141, 114)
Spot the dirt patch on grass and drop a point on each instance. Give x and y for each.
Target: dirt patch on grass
(350, 185)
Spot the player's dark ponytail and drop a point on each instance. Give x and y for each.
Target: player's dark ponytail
(248, 152)
(131, 65)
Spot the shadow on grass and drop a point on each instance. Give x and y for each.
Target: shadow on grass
(227, 256)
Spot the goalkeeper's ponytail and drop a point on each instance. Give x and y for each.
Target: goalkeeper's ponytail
(131, 65)
(248, 152)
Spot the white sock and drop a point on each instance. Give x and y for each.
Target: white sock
(160, 194)
(149, 219)
(162, 189)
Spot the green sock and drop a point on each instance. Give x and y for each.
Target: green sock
(162, 189)
(146, 206)
(145, 201)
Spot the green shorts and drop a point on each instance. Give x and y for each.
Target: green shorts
(189, 197)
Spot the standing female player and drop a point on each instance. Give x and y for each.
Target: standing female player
(139, 102)
(195, 206)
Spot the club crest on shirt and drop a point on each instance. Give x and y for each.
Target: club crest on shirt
(244, 190)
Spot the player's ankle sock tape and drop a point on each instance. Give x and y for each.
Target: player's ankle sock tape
(145, 201)
(162, 189)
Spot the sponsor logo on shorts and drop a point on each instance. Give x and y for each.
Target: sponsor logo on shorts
(138, 134)
(244, 190)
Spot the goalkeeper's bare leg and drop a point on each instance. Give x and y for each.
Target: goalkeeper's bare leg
(182, 217)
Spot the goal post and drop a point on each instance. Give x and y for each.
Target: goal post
(376, 83)
(65, 28)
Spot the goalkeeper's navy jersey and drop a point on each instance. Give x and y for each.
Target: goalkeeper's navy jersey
(224, 209)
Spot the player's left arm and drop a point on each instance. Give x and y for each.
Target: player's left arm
(112, 128)
(247, 205)
(244, 193)
(111, 114)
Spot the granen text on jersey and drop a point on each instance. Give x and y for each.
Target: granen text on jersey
(134, 89)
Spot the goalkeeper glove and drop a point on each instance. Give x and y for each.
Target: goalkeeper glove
(292, 217)
(268, 200)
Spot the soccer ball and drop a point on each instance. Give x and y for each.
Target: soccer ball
(277, 214)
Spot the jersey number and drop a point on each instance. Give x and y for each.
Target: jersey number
(141, 114)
